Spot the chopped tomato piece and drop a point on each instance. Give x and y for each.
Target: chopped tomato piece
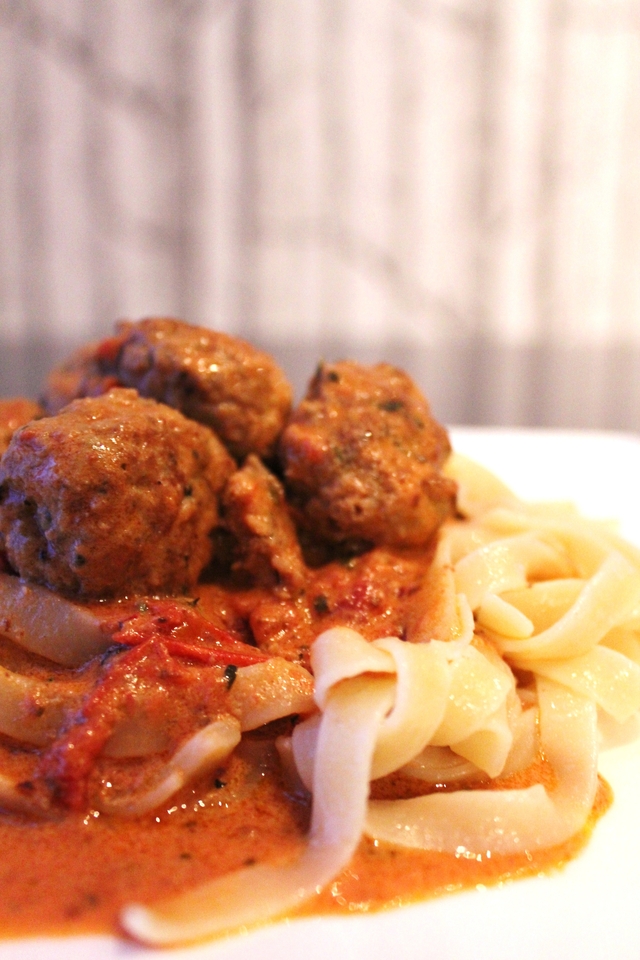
(190, 635)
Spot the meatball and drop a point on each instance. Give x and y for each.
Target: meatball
(88, 372)
(116, 495)
(212, 377)
(15, 413)
(256, 513)
(362, 455)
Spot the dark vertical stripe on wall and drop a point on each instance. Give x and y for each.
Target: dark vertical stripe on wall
(403, 123)
(104, 219)
(335, 158)
(186, 175)
(8, 292)
(474, 383)
(557, 366)
(539, 387)
(248, 190)
(33, 234)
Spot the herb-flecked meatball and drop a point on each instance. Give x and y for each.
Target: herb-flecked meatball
(214, 378)
(115, 495)
(362, 455)
(255, 511)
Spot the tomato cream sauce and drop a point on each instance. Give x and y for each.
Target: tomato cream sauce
(73, 871)
(73, 875)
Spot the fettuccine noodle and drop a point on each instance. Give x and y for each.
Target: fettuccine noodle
(531, 624)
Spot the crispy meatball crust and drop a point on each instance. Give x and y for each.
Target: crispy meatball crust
(256, 513)
(362, 455)
(116, 495)
(214, 378)
(221, 381)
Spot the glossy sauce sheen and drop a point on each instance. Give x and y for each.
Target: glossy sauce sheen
(343, 541)
(75, 873)
(74, 876)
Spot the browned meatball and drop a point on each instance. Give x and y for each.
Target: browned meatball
(256, 513)
(88, 372)
(362, 457)
(116, 495)
(212, 377)
(221, 381)
(15, 413)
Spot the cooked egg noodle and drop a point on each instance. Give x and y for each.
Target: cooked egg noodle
(528, 624)
(557, 599)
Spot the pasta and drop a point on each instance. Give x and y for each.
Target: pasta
(553, 594)
(202, 590)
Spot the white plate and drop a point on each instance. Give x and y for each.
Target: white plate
(589, 910)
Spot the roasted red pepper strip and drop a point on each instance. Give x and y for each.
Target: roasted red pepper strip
(158, 636)
(189, 635)
(68, 762)
(223, 656)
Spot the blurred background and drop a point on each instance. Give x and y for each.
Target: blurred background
(451, 185)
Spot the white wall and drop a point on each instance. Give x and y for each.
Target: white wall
(450, 184)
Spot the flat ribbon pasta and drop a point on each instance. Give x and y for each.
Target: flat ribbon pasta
(203, 751)
(344, 751)
(474, 822)
(556, 635)
(381, 705)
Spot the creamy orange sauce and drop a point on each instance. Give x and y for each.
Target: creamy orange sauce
(73, 875)
(381, 876)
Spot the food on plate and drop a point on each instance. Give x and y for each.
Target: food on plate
(362, 458)
(339, 666)
(89, 509)
(257, 516)
(219, 380)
